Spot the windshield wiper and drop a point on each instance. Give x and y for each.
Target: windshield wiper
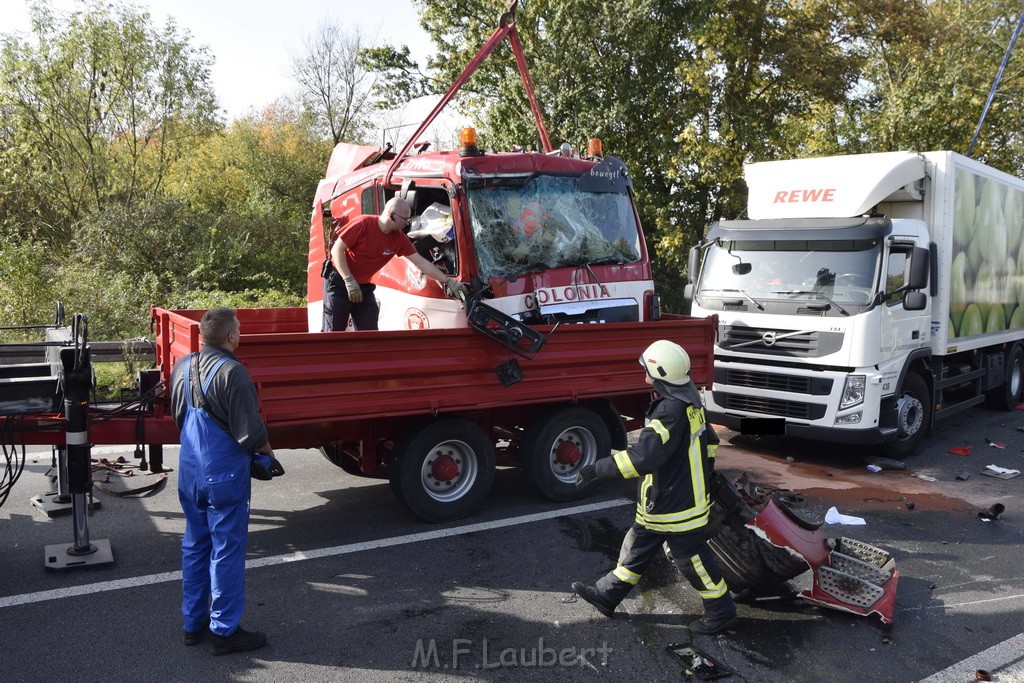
(749, 298)
(814, 293)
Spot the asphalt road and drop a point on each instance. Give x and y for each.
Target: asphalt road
(349, 586)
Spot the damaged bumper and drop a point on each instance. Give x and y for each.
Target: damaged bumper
(761, 542)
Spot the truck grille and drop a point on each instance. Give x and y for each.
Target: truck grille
(789, 343)
(736, 377)
(770, 406)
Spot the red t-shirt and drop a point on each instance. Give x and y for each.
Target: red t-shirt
(367, 249)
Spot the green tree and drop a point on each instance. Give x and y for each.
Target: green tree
(97, 105)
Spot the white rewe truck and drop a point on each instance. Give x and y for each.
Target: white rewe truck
(866, 297)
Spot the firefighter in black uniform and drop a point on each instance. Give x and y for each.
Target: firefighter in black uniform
(674, 456)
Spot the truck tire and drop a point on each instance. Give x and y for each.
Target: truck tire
(444, 469)
(1005, 396)
(914, 415)
(556, 446)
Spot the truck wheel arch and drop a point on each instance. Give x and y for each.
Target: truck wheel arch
(917, 392)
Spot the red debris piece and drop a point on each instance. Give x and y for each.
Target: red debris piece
(963, 450)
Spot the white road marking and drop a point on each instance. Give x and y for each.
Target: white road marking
(1005, 661)
(87, 589)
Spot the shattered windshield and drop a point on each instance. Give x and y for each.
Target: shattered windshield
(525, 224)
(840, 271)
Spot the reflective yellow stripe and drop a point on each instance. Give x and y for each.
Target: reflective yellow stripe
(695, 416)
(711, 589)
(625, 465)
(680, 515)
(712, 450)
(659, 429)
(626, 576)
(692, 525)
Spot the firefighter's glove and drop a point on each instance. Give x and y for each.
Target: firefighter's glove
(265, 467)
(355, 292)
(456, 290)
(586, 476)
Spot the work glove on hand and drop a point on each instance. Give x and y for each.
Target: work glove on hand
(355, 293)
(456, 290)
(265, 467)
(586, 476)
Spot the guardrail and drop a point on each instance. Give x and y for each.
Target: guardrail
(100, 352)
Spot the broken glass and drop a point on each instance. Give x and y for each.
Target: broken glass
(525, 224)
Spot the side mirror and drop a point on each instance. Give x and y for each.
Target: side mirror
(688, 291)
(691, 265)
(915, 301)
(919, 262)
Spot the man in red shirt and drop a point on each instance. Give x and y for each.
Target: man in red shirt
(362, 247)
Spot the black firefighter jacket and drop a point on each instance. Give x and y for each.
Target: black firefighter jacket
(675, 456)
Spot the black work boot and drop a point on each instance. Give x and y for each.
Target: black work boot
(239, 641)
(194, 637)
(594, 597)
(719, 614)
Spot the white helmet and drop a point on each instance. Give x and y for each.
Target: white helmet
(666, 361)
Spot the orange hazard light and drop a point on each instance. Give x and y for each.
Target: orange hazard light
(594, 147)
(467, 137)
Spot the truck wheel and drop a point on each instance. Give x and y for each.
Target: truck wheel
(1005, 397)
(443, 470)
(555, 447)
(914, 414)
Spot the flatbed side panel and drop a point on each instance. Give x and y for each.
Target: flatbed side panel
(316, 378)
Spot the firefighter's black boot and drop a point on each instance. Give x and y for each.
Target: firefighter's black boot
(595, 598)
(719, 614)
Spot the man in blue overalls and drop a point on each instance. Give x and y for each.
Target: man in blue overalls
(216, 409)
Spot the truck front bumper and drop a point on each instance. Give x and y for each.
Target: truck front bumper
(780, 426)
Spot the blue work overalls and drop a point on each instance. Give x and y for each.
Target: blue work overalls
(214, 489)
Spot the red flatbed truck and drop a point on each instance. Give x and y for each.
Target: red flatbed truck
(552, 249)
(426, 408)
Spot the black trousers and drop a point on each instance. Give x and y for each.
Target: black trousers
(337, 307)
(689, 551)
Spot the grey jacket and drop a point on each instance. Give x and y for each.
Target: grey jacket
(231, 398)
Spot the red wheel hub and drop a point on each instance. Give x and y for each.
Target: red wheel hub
(444, 468)
(566, 453)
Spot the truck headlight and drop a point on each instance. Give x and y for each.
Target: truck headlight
(853, 391)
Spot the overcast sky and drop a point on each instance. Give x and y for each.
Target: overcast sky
(253, 41)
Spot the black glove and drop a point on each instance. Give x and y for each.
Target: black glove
(265, 467)
(586, 476)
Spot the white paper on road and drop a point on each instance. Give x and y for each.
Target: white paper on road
(1001, 470)
(833, 516)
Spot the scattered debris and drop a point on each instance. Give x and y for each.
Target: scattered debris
(993, 512)
(994, 444)
(887, 463)
(874, 468)
(697, 664)
(999, 472)
(982, 675)
(924, 477)
(961, 450)
(833, 516)
(964, 476)
(909, 503)
(789, 458)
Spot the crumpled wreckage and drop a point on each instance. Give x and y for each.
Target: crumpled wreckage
(762, 540)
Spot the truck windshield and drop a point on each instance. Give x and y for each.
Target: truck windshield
(526, 224)
(837, 271)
